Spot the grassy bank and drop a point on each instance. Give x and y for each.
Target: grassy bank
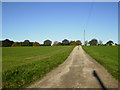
(24, 65)
(107, 56)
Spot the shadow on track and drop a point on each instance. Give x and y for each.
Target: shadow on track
(99, 80)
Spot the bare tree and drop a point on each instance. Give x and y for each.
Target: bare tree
(86, 42)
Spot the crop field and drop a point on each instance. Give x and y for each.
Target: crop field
(107, 56)
(24, 65)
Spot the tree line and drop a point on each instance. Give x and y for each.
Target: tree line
(96, 42)
(9, 43)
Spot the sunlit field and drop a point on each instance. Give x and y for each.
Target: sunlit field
(24, 65)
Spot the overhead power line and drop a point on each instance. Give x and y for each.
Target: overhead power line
(88, 20)
(89, 15)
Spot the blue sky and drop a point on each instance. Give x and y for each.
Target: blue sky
(38, 21)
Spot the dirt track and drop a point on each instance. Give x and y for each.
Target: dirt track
(77, 72)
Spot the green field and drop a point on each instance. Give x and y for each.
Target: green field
(24, 65)
(107, 56)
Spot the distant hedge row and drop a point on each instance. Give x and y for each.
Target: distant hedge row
(9, 43)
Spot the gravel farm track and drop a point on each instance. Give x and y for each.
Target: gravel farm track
(78, 71)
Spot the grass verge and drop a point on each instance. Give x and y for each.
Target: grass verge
(106, 56)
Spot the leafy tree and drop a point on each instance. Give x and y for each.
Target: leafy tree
(93, 42)
(22, 43)
(7, 43)
(65, 42)
(31, 44)
(78, 42)
(47, 43)
(73, 43)
(0, 43)
(110, 42)
(15, 44)
(18, 43)
(26, 43)
(42, 45)
(36, 44)
(116, 44)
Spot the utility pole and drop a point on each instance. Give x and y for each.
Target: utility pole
(84, 37)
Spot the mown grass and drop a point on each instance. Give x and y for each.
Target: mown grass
(24, 65)
(107, 56)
